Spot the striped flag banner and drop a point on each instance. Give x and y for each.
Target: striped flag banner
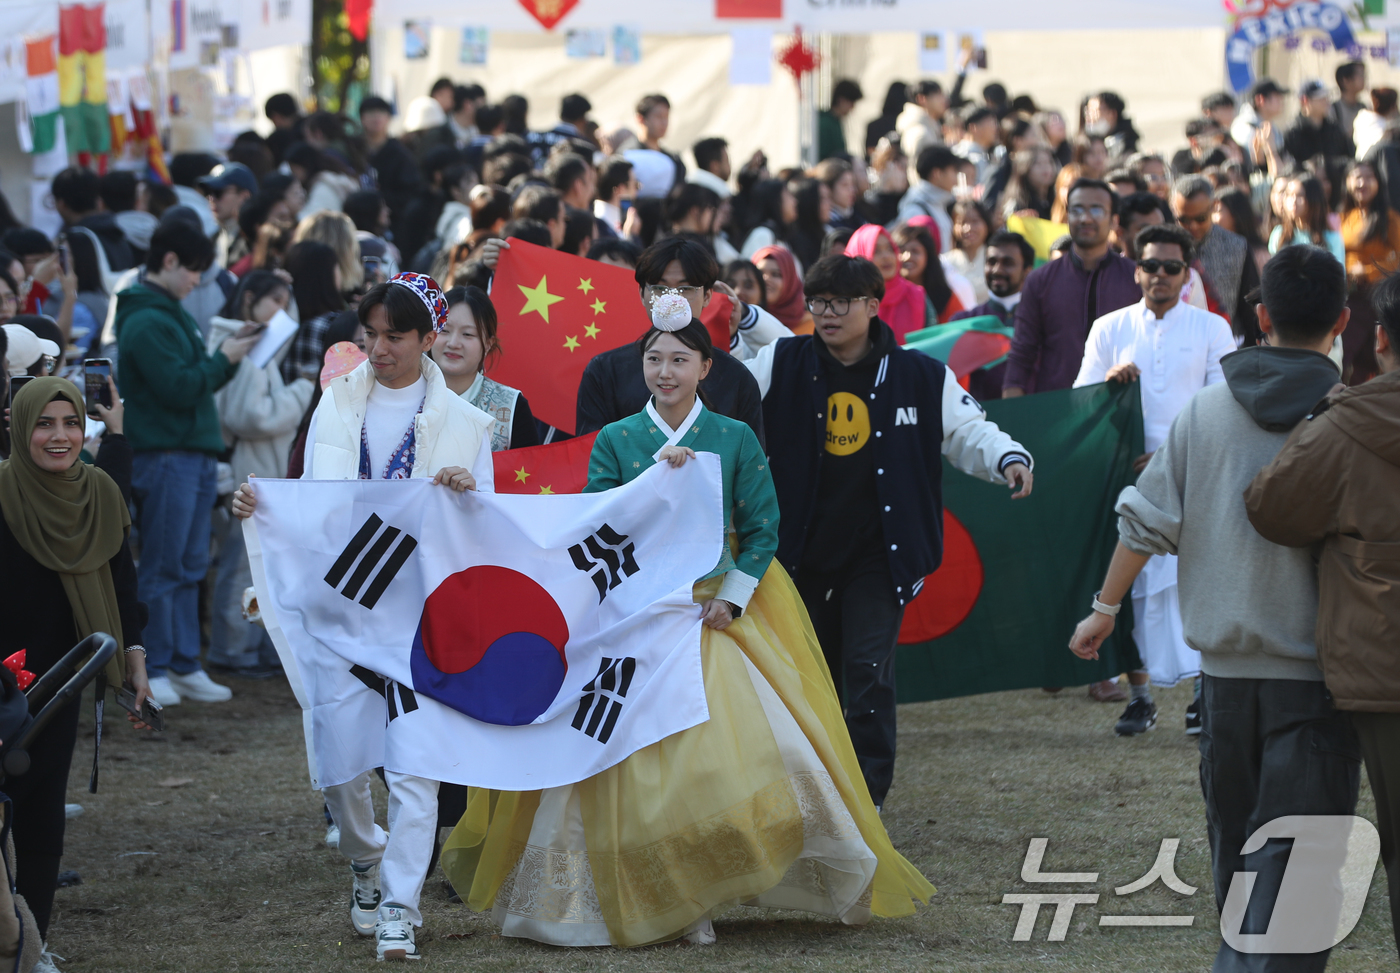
(41, 98)
(82, 77)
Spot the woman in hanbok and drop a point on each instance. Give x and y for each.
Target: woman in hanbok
(763, 804)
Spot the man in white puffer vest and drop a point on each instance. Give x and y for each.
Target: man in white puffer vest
(393, 417)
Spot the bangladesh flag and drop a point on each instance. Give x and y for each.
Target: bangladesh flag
(1017, 576)
(965, 345)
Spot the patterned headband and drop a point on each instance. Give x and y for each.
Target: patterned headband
(429, 293)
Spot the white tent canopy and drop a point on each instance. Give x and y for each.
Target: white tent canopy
(815, 16)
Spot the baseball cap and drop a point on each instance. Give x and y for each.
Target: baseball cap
(26, 348)
(1313, 89)
(1266, 87)
(229, 174)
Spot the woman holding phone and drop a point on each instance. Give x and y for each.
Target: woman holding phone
(259, 412)
(65, 572)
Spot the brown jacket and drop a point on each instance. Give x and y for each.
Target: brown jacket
(1337, 481)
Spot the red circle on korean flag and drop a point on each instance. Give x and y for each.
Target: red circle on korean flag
(490, 644)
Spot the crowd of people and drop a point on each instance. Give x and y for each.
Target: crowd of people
(1251, 267)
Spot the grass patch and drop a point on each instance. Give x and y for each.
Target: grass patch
(236, 876)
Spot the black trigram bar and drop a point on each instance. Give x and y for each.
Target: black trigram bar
(608, 560)
(370, 567)
(601, 704)
(407, 699)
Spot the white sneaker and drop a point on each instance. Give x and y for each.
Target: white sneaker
(364, 898)
(333, 836)
(164, 692)
(393, 937)
(199, 687)
(71, 811)
(46, 961)
(702, 933)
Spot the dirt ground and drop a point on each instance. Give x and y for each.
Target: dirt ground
(204, 852)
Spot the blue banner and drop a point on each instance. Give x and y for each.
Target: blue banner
(1254, 32)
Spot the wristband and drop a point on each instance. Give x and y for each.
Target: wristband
(1102, 609)
(134, 648)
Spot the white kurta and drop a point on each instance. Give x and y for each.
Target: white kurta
(1179, 354)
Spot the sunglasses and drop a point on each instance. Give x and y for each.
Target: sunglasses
(1202, 218)
(1168, 267)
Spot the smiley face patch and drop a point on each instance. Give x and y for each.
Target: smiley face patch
(847, 424)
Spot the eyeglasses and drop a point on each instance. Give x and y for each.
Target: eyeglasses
(837, 305)
(1202, 218)
(688, 291)
(1168, 267)
(1079, 212)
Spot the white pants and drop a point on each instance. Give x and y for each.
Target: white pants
(404, 853)
(1157, 627)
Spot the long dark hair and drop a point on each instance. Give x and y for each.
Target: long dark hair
(484, 313)
(766, 207)
(312, 266)
(935, 284)
(694, 336)
(1377, 221)
(1241, 210)
(1019, 190)
(1315, 198)
(255, 285)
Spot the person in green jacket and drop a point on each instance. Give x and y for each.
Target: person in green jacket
(831, 137)
(169, 381)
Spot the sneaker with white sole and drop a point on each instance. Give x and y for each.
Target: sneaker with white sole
(393, 937)
(46, 961)
(199, 687)
(364, 898)
(164, 692)
(333, 836)
(71, 811)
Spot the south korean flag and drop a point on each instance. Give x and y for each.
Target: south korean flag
(504, 641)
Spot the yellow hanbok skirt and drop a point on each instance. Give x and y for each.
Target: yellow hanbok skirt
(762, 805)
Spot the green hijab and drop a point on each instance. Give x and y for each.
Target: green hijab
(73, 523)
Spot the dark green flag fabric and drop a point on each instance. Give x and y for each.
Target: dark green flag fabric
(1041, 559)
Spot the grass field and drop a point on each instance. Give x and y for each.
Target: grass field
(203, 852)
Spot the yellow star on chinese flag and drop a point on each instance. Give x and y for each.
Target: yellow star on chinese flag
(591, 330)
(585, 284)
(520, 475)
(546, 491)
(571, 342)
(538, 298)
(598, 307)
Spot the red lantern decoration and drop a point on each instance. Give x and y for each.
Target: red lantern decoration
(798, 57)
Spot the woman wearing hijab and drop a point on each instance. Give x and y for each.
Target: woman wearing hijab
(782, 286)
(904, 306)
(65, 573)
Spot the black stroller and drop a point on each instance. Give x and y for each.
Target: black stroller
(19, 936)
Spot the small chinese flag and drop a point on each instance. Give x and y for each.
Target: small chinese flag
(560, 467)
(555, 312)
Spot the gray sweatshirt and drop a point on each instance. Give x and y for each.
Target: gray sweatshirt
(1247, 605)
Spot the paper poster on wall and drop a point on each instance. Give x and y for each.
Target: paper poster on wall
(584, 43)
(933, 57)
(1392, 44)
(627, 45)
(128, 40)
(751, 61)
(416, 34)
(476, 42)
(971, 50)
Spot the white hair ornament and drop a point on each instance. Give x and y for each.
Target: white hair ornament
(670, 312)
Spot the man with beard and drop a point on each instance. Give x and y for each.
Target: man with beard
(1064, 297)
(1009, 259)
(1229, 266)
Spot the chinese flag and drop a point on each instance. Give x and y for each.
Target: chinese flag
(560, 467)
(555, 312)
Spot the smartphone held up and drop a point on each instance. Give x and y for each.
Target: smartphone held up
(97, 374)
